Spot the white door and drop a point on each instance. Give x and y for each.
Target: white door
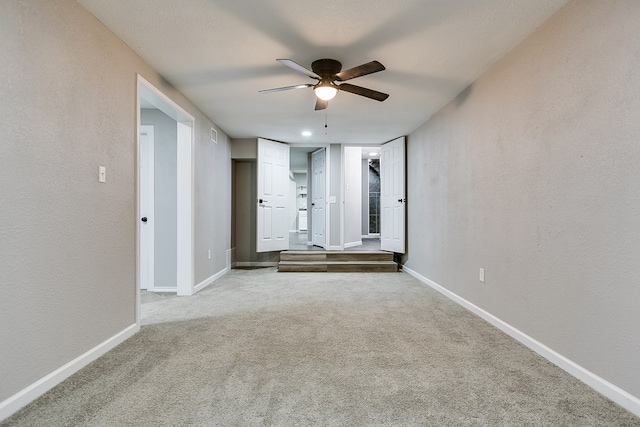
(147, 232)
(273, 196)
(318, 213)
(392, 196)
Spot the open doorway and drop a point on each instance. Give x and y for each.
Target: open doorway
(315, 192)
(371, 195)
(165, 194)
(307, 204)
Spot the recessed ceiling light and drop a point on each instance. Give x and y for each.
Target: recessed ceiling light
(306, 133)
(373, 153)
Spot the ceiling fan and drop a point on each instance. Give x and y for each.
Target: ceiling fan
(330, 77)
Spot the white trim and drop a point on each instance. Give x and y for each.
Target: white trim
(335, 248)
(137, 218)
(352, 244)
(206, 282)
(309, 243)
(150, 154)
(256, 264)
(599, 384)
(327, 191)
(165, 290)
(342, 192)
(38, 388)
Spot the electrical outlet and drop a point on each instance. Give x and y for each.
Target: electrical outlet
(481, 275)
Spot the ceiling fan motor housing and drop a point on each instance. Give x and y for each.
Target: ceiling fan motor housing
(326, 68)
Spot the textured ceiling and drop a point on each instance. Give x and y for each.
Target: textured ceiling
(219, 53)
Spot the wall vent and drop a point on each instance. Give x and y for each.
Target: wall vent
(214, 135)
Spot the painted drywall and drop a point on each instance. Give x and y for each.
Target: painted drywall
(352, 196)
(67, 242)
(212, 200)
(165, 196)
(532, 174)
(244, 148)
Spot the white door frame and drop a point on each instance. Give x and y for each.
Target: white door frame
(186, 125)
(147, 206)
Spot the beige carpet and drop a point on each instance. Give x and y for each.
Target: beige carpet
(262, 348)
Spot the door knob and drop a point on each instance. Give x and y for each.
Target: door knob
(261, 201)
(401, 200)
(143, 219)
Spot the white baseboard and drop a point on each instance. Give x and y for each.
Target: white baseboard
(309, 243)
(352, 244)
(206, 282)
(256, 264)
(602, 386)
(335, 248)
(168, 290)
(37, 389)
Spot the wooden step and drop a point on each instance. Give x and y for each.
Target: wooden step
(338, 266)
(335, 256)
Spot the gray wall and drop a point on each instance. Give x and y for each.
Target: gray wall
(532, 173)
(165, 133)
(67, 242)
(244, 148)
(212, 200)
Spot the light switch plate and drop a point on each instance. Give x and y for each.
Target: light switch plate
(481, 275)
(102, 174)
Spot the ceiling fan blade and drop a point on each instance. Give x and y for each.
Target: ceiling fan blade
(360, 70)
(363, 91)
(321, 104)
(299, 68)
(280, 89)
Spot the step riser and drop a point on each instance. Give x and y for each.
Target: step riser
(362, 269)
(335, 256)
(338, 262)
(353, 267)
(336, 269)
(319, 268)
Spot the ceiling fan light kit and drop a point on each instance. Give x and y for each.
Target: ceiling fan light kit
(328, 72)
(325, 92)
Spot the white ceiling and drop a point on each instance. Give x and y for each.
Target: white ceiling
(219, 53)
